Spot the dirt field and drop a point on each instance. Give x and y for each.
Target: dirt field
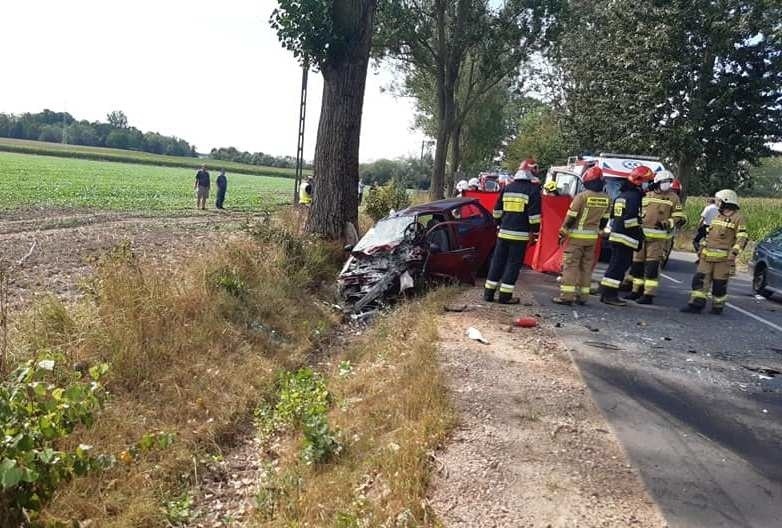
(531, 450)
(57, 246)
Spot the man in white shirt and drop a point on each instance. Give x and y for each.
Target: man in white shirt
(708, 214)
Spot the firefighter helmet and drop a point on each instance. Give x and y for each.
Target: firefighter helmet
(474, 182)
(663, 176)
(462, 185)
(528, 170)
(593, 173)
(640, 175)
(727, 196)
(550, 186)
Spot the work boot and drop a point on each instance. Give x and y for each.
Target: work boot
(633, 296)
(645, 299)
(563, 302)
(510, 300)
(611, 298)
(488, 295)
(581, 302)
(716, 310)
(692, 308)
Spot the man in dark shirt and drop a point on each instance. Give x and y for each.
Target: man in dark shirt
(222, 186)
(202, 187)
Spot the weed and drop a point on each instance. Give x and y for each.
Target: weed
(178, 511)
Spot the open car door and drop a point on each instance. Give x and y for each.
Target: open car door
(446, 259)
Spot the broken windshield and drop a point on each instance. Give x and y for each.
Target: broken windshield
(387, 232)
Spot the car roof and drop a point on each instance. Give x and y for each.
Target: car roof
(437, 207)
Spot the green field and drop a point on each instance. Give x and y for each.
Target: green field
(128, 156)
(45, 181)
(763, 215)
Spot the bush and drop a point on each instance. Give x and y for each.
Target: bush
(381, 200)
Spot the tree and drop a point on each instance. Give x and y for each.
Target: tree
(117, 119)
(335, 37)
(539, 136)
(460, 50)
(697, 81)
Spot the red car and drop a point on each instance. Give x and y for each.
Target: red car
(448, 239)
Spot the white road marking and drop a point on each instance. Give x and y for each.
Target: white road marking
(677, 281)
(755, 317)
(733, 306)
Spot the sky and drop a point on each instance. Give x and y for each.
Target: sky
(212, 73)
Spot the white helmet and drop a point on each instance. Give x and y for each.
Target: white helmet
(462, 185)
(727, 196)
(474, 182)
(663, 176)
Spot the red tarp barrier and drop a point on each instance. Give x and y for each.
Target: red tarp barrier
(546, 254)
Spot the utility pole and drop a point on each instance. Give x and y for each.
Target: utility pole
(302, 120)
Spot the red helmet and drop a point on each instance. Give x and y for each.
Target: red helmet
(676, 186)
(530, 165)
(640, 175)
(593, 173)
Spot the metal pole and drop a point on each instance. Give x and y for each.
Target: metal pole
(300, 146)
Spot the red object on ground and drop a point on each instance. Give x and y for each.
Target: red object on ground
(526, 322)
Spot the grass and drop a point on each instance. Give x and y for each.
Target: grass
(392, 409)
(763, 215)
(192, 350)
(24, 146)
(46, 181)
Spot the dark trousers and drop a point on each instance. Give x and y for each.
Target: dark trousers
(504, 270)
(220, 198)
(696, 243)
(621, 259)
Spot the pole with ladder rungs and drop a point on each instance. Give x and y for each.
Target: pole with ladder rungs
(302, 119)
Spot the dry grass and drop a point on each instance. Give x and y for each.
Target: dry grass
(192, 350)
(393, 411)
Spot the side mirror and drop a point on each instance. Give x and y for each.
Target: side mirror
(435, 248)
(348, 248)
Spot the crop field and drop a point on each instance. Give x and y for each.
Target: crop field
(22, 146)
(44, 181)
(763, 215)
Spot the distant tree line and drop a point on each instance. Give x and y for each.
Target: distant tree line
(62, 127)
(255, 158)
(410, 172)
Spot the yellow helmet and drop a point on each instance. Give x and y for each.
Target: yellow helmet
(550, 186)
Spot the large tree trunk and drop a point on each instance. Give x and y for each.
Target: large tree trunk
(335, 196)
(456, 160)
(686, 167)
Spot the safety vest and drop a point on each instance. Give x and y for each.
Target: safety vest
(726, 235)
(588, 211)
(305, 194)
(661, 213)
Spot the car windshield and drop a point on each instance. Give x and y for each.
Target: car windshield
(387, 232)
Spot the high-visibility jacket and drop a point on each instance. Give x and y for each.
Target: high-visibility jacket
(517, 210)
(587, 215)
(661, 212)
(626, 219)
(726, 235)
(305, 194)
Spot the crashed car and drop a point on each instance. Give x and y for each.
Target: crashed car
(449, 240)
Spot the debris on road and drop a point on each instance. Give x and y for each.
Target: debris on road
(476, 335)
(457, 309)
(604, 346)
(526, 322)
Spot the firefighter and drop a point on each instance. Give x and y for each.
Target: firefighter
(587, 216)
(550, 187)
(305, 192)
(726, 237)
(473, 184)
(518, 214)
(662, 212)
(626, 233)
(461, 187)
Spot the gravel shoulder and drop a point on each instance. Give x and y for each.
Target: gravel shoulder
(531, 449)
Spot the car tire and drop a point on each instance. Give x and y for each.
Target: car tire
(759, 282)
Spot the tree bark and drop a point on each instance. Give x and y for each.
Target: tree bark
(456, 159)
(335, 196)
(686, 166)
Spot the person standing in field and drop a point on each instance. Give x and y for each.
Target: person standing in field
(222, 186)
(708, 214)
(201, 187)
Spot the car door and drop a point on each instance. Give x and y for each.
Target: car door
(774, 251)
(475, 228)
(453, 261)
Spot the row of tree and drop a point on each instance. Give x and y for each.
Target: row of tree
(61, 127)
(411, 173)
(698, 82)
(254, 158)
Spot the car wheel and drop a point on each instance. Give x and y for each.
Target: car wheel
(759, 283)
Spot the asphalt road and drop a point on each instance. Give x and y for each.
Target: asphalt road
(690, 396)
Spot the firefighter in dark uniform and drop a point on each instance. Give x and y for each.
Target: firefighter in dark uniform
(626, 233)
(518, 214)
(587, 216)
(725, 239)
(662, 213)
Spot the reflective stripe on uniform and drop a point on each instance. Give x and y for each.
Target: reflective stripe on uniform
(631, 222)
(583, 234)
(534, 219)
(514, 202)
(657, 234)
(567, 289)
(638, 281)
(572, 213)
(586, 290)
(491, 285)
(715, 253)
(611, 283)
(697, 294)
(506, 288)
(649, 200)
(621, 238)
(722, 223)
(650, 283)
(498, 213)
(507, 234)
(720, 300)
